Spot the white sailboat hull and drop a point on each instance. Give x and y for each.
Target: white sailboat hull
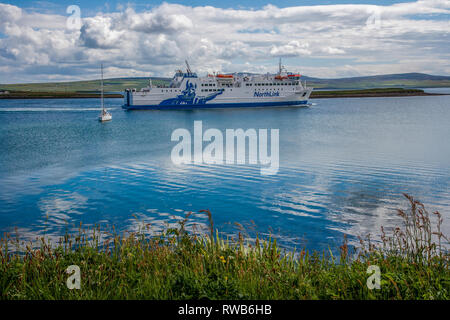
(104, 118)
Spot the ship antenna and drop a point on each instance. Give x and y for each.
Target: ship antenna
(279, 66)
(188, 67)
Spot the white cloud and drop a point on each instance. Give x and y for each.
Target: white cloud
(292, 49)
(314, 39)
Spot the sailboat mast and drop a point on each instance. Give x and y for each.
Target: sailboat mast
(103, 107)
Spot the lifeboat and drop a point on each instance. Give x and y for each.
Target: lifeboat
(280, 77)
(225, 76)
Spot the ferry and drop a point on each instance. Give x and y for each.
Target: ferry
(188, 91)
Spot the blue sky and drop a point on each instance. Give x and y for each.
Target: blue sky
(319, 38)
(95, 5)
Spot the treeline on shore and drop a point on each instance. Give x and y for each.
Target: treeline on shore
(408, 262)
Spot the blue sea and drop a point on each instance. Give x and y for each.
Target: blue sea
(344, 164)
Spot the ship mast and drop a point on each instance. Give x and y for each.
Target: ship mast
(103, 106)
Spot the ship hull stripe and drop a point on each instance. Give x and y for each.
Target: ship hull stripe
(216, 105)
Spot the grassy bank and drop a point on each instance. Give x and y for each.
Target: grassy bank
(180, 265)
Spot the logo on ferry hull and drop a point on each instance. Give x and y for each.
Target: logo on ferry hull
(189, 96)
(267, 94)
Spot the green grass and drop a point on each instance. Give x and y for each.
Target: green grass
(180, 265)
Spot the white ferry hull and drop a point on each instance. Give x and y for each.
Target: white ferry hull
(142, 103)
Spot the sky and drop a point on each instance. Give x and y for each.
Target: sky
(43, 41)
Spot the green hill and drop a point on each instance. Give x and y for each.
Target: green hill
(404, 80)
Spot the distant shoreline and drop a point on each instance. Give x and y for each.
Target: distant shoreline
(55, 95)
(357, 93)
(367, 93)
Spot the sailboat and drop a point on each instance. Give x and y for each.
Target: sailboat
(104, 115)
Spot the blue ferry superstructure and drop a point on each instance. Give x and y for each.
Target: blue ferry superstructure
(188, 91)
